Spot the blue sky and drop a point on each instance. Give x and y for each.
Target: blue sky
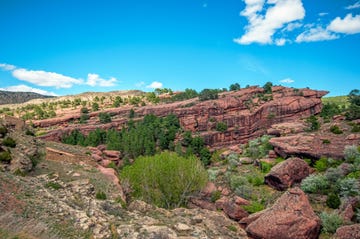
(71, 46)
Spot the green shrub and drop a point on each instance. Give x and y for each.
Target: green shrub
(265, 167)
(5, 157)
(208, 94)
(321, 165)
(333, 174)
(100, 195)
(237, 181)
(221, 127)
(29, 132)
(3, 131)
(244, 191)
(315, 183)
(256, 179)
(351, 153)
(53, 185)
(355, 128)
(9, 142)
(215, 196)
(355, 174)
(104, 117)
(330, 222)
(335, 129)
(333, 201)
(165, 180)
(349, 187)
(254, 207)
(313, 123)
(326, 141)
(84, 110)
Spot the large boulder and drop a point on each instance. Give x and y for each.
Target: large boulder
(348, 232)
(286, 173)
(290, 217)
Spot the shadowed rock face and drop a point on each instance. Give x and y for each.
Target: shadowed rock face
(290, 217)
(248, 113)
(286, 173)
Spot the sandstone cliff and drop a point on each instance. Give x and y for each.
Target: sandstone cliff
(247, 113)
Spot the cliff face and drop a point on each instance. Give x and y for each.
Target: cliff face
(248, 113)
(8, 97)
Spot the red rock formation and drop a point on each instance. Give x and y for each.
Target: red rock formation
(348, 232)
(311, 145)
(286, 173)
(290, 217)
(247, 113)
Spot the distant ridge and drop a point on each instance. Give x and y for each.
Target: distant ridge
(8, 97)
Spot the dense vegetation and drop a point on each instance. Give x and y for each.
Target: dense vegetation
(166, 180)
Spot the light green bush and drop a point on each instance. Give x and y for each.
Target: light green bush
(165, 180)
(330, 222)
(315, 183)
(349, 187)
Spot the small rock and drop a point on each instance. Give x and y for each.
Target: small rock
(181, 227)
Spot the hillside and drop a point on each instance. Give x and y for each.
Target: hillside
(7, 97)
(268, 164)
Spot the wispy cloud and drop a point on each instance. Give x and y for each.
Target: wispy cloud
(262, 26)
(155, 85)
(25, 88)
(287, 81)
(7, 67)
(321, 14)
(95, 80)
(316, 34)
(348, 25)
(354, 6)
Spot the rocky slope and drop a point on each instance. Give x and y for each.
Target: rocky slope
(247, 113)
(7, 97)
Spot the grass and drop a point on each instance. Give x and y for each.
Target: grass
(339, 100)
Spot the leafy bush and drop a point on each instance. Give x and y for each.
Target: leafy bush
(221, 126)
(326, 141)
(53, 185)
(5, 157)
(234, 87)
(335, 129)
(330, 222)
(349, 187)
(215, 196)
(268, 87)
(329, 110)
(244, 191)
(100, 195)
(333, 201)
(256, 179)
(315, 183)
(165, 180)
(95, 106)
(237, 181)
(9, 142)
(254, 207)
(333, 174)
(313, 123)
(351, 153)
(208, 94)
(104, 117)
(265, 167)
(321, 165)
(3, 131)
(355, 128)
(84, 110)
(29, 132)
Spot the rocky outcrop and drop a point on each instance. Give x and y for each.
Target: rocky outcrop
(311, 145)
(247, 113)
(348, 232)
(286, 173)
(290, 217)
(8, 97)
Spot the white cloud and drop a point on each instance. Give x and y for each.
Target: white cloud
(261, 28)
(7, 67)
(292, 26)
(280, 42)
(321, 14)
(287, 81)
(348, 25)
(155, 85)
(354, 6)
(43, 78)
(316, 34)
(95, 80)
(25, 88)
